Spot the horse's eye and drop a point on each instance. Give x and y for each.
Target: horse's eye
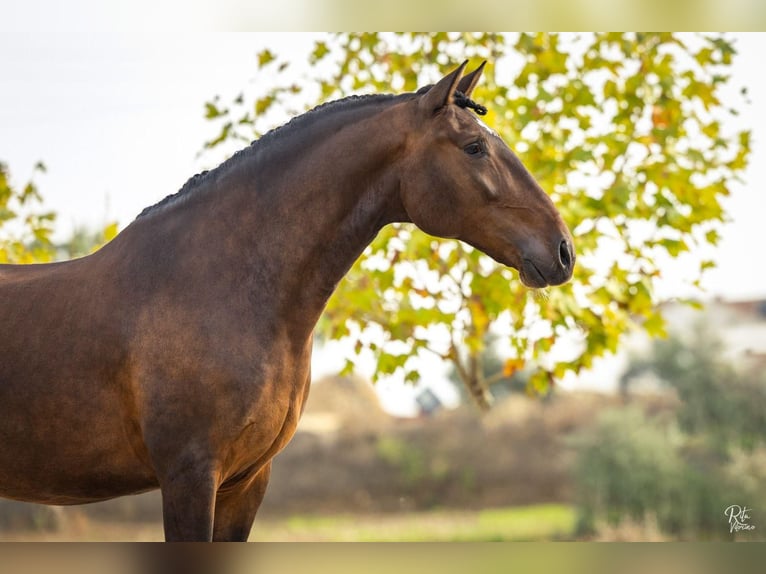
(474, 149)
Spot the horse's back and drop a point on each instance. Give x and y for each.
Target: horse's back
(40, 308)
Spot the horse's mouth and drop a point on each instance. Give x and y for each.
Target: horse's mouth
(529, 272)
(536, 276)
(531, 276)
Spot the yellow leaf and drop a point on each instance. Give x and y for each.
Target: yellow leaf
(478, 314)
(110, 231)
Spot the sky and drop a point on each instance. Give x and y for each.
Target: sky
(117, 118)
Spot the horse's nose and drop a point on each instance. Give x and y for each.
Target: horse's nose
(566, 256)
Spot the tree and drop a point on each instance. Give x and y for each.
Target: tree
(682, 470)
(85, 241)
(719, 402)
(25, 231)
(627, 132)
(500, 377)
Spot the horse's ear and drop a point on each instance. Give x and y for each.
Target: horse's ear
(440, 94)
(469, 81)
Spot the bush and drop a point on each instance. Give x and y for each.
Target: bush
(720, 401)
(626, 468)
(632, 469)
(15, 516)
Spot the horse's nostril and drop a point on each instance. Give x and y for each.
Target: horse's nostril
(565, 256)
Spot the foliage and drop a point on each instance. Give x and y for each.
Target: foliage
(499, 377)
(84, 241)
(631, 467)
(724, 404)
(406, 457)
(20, 516)
(628, 133)
(682, 473)
(25, 231)
(627, 467)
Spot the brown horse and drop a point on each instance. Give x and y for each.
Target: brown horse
(178, 355)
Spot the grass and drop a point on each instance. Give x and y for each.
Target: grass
(526, 523)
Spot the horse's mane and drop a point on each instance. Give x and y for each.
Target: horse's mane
(294, 125)
(286, 130)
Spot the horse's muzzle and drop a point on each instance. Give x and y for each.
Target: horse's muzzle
(536, 273)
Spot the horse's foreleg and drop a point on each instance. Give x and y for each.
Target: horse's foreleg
(235, 508)
(188, 500)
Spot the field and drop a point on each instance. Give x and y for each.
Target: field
(527, 523)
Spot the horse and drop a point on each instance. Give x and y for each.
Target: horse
(178, 355)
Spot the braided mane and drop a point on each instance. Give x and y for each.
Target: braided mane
(297, 123)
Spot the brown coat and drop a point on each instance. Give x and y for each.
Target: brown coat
(178, 355)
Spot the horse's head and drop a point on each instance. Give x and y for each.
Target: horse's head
(461, 180)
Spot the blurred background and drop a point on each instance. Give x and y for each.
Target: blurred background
(628, 405)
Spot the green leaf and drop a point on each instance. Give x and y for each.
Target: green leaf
(348, 368)
(319, 52)
(655, 325)
(263, 104)
(674, 247)
(211, 111)
(264, 57)
(222, 137)
(412, 377)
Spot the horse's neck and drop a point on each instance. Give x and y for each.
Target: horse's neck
(317, 211)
